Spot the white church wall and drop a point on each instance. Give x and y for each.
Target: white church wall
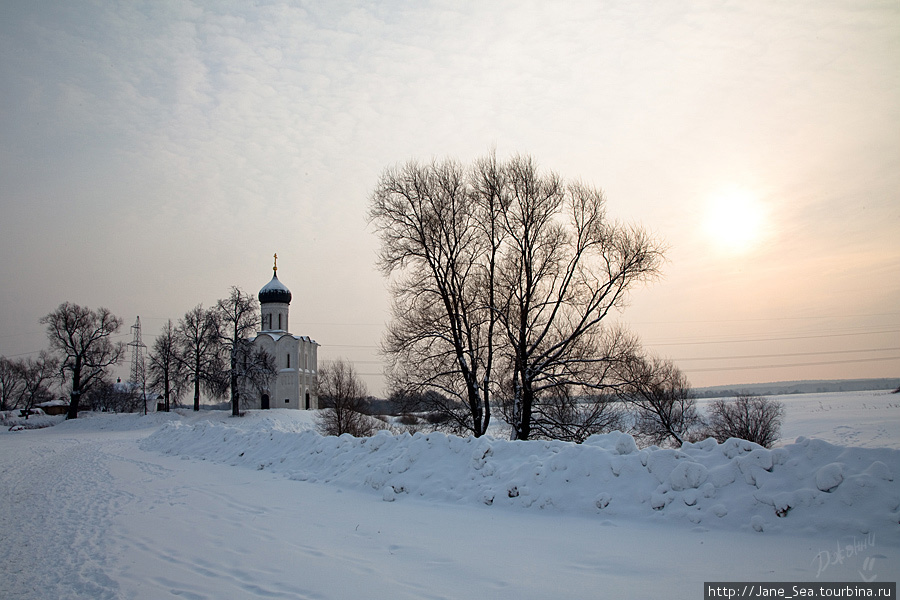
(296, 358)
(275, 316)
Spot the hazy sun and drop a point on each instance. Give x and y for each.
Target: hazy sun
(735, 220)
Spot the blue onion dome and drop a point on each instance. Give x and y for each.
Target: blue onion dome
(274, 291)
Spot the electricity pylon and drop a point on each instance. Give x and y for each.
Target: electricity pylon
(138, 374)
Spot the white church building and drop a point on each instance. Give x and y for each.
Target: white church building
(295, 356)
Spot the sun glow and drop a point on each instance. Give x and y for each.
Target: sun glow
(735, 220)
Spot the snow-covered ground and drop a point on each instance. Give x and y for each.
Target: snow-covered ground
(209, 506)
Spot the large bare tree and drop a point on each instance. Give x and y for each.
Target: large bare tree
(503, 267)
(166, 369)
(250, 367)
(433, 242)
(81, 338)
(200, 352)
(567, 267)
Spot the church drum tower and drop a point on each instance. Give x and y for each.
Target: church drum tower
(295, 356)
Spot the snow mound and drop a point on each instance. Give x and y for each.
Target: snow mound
(809, 486)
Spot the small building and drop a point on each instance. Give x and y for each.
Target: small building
(296, 357)
(60, 406)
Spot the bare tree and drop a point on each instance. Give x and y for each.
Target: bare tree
(38, 375)
(80, 337)
(343, 396)
(118, 397)
(563, 415)
(748, 417)
(501, 267)
(11, 383)
(430, 407)
(249, 367)
(432, 241)
(25, 383)
(166, 369)
(662, 399)
(200, 352)
(255, 370)
(567, 267)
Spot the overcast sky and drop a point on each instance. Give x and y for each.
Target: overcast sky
(153, 154)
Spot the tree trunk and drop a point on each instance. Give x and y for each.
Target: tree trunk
(75, 397)
(475, 408)
(524, 429)
(487, 405)
(73, 405)
(197, 381)
(166, 389)
(235, 395)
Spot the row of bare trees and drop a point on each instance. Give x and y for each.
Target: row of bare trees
(207, 350)
(503, 277)
(661, 415)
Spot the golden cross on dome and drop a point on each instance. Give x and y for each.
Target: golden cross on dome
(275, 268)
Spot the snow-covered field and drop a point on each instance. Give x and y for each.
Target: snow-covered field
(209, 506)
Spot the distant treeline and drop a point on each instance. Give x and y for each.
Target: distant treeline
(799, 387)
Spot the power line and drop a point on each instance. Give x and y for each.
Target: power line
(807, 364)
(363, 362)
(350, 346)
(335, 324)
(787, 355)
(761, 319)
(772, 339)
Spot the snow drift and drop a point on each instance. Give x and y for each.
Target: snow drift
(809, 486)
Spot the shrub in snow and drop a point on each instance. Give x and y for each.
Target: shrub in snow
(343, 396)
(748, 417)
(880, 470)
(408, 419)
(566, 413)
(14, 421)
(829, 477)
(659, 500)
(661, 398)
(602, 500)
(757, 523)
(688, 475)
(626, 444)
